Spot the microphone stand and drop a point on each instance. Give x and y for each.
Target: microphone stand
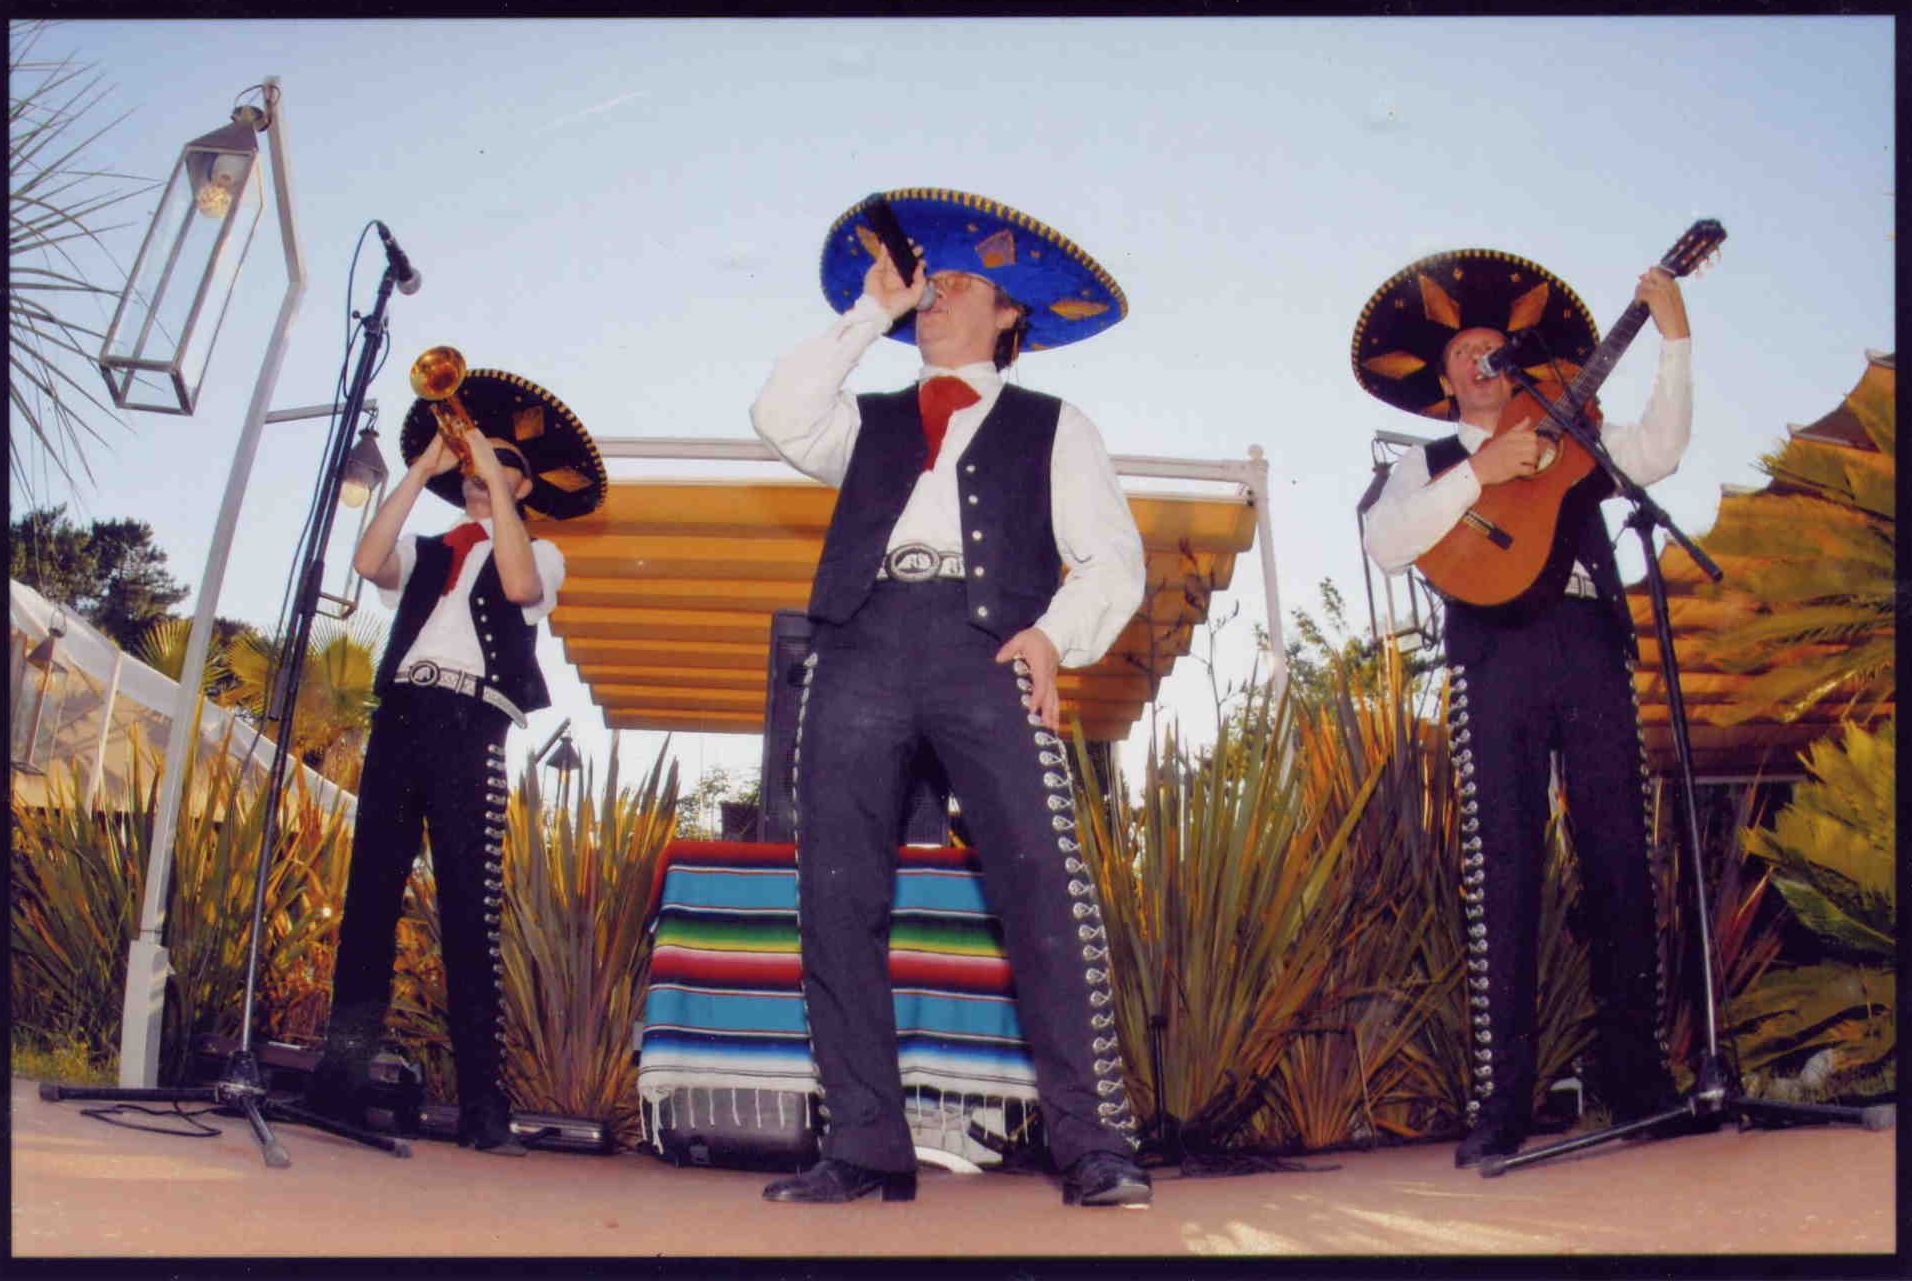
(241, 1087)
(1716, 1092)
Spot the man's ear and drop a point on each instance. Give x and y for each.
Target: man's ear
(523, 487)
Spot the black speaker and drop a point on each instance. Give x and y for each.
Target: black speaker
(926, 806)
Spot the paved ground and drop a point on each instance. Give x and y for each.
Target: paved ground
(82, 1188)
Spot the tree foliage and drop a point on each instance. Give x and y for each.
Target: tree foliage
(59, 274)
(109, 572)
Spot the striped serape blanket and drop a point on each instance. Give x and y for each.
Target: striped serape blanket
(724, 1007)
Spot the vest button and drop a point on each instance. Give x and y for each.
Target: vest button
(982, 611)
(481, 600)
(487, 635)
(972, 500)
(975, 535)
(970, 468)
(979, 571)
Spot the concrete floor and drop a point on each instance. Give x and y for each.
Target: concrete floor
(83, 1188)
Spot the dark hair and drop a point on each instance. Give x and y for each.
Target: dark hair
(1009, 341)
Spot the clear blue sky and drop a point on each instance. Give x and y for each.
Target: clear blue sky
(630, 212)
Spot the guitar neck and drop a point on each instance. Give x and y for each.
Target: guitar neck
(1608, 353)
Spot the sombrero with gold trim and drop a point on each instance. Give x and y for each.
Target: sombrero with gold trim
(567, 476)
(1068, 294)
(1407, 323)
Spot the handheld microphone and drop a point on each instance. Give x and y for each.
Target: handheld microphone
(882, 220)
(408, 277)
(1507, 357)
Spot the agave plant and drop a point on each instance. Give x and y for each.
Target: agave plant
(1218, 896)
(56, 261)
(1832, 854)
(1819, 567)
(578, 884)
(79, 880)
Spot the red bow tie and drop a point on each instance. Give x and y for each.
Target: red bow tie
(938, 399)
(461, 540)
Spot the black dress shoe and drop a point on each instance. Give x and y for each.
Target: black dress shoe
(833, 1182)
(1106, 1178)
(1489, 1138)
(486, 1126)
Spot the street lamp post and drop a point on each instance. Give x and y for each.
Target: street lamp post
(144, 1001)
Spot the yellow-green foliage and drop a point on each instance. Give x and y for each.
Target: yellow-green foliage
(1818, 571)
(1833, 856)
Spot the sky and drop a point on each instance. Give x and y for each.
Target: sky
(630, 212)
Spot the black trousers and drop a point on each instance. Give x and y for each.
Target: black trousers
(1561, 684)
(909, 669)
(435, 760)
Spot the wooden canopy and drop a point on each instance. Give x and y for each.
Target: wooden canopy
(1762, 746)
(670, 586)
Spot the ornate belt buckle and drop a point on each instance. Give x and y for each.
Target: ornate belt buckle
(423, 672)
(912, 563)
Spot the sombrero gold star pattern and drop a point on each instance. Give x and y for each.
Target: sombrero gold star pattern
(1408, 322)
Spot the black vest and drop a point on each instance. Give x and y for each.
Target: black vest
(1012, 567)
(1471, 630)
(509, 643)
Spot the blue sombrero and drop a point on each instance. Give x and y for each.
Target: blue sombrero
(1068, 294)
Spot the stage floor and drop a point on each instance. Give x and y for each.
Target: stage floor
(83, 1188)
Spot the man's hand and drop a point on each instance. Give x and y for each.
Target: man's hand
(485, 464)
(884, 283)
(1661, 294)
(1039, 659)
(1513, 454)
(436, 458)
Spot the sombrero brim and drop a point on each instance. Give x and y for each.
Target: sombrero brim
(1068, 294)
(1406, 325)
(567, 476)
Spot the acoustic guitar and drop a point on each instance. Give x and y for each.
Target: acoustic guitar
(1505, 550)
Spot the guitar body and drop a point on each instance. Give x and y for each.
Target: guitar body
(1474, 565)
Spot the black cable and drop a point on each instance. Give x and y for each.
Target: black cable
(200, 1129)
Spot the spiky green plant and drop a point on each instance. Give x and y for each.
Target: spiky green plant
(1819, 571)
(79, 880)
(1832, 852)
(1220, 905)
(57, 267)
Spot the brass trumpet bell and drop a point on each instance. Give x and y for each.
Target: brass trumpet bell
(438, 373)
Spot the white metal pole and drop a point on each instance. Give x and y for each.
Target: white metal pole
(1271, 590)
(147, 966)
(98, 771)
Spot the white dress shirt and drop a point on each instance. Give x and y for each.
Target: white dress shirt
(448, 637)
(1413, 513)
(807, 417)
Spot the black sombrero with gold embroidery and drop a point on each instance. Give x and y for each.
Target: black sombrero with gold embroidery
(567, 476)
(1406, 325)
(1068, 294)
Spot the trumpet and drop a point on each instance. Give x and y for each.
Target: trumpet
(436, 376)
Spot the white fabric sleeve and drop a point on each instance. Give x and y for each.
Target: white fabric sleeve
(550, 563)
(1097, 539)
(406, 549)
(803, 412)
(1413, 513)
(1650, 450)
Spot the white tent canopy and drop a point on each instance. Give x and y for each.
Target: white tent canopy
(96, 705)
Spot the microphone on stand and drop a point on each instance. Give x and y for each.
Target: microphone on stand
(408, 277)
(1507, 357)
(882, 220)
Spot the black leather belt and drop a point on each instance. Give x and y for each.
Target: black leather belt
(430, 675)
(918, 563)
